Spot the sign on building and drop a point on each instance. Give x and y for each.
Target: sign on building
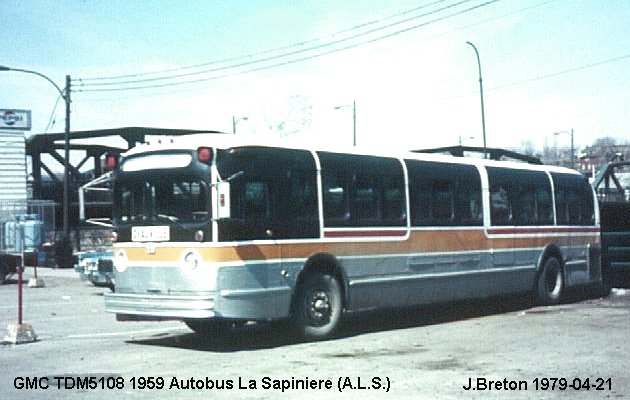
(15, 119)
(12, 166)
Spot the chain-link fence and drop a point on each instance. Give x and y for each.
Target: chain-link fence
(25, 225)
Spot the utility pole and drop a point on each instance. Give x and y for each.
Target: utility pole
(66, 169)
(65, 250)
(354, 123)
(483, 116)
(354, 120)
(555, 134)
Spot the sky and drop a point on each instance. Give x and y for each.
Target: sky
(293, 69)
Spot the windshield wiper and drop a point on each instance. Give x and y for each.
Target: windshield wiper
(171, 218)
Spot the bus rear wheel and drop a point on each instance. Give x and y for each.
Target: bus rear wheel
(550, 282)
(318, 306)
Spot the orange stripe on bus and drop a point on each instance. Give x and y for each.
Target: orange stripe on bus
(429, 241)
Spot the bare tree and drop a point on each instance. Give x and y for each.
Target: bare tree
(291, 118)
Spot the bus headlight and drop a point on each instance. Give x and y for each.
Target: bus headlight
(120, 261)
(191, 260)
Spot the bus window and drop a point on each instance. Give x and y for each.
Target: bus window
(362, 191)
(335, 198)
(255, 200)
(500, 208)
(442, 202)
(519, 197)
(274, 195)
(444, 194)
(365, 200)
(468, 208)
(394, 210)
(574, 200)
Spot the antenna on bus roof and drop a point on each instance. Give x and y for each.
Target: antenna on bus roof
(493, 153)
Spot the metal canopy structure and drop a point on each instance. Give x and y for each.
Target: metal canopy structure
(52, 144)
(46, 178)
(493, 153)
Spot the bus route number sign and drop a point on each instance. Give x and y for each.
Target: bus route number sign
(150, 233)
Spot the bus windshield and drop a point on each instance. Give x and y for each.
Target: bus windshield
(162, 199)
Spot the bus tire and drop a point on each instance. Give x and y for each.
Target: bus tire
(550, 282)
(318, 306)
(208, 327)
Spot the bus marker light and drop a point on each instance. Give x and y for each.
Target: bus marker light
(204, 154)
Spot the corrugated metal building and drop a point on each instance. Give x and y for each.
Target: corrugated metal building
(12, 166)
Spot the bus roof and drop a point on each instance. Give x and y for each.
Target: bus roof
(227, 141)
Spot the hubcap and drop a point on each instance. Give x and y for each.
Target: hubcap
(553, 281)
(319, 307)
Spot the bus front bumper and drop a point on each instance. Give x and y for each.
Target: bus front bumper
(132, 306)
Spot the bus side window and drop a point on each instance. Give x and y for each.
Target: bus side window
(255, 200)
(574, 200)
(544, 209)
(443, 207)
(394, 210)
(335, 198)
(444, 194)
(364, 200)
(362, 191)
(468, 209)
(526, 205)
(500, 207)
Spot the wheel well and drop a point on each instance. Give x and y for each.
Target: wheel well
(324, 263)
(551, 250)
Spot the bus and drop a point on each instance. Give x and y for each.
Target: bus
(215, 234)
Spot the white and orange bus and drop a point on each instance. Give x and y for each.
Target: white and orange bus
(213, 235)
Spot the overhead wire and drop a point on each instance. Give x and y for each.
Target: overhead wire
(273, 50)
(440, 34)
(545, 76)
(90, 88)
(51, 119)
(278, 56)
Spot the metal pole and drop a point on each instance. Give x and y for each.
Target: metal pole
(354, 123)
(20, 296)
(572, 151)
(19, 227)
(66, 244)
(66, 168)
(483, 117)
(235, 121)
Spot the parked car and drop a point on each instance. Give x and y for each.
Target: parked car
(96, 267)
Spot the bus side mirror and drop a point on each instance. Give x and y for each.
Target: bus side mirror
(223, 200)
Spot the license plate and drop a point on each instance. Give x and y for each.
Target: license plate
(150, 234)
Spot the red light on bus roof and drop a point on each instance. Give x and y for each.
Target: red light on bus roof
(111, 161)
(204, 154)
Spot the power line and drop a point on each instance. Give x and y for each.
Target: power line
(278, 56)
(563, 72)
(52, 120)
(444, 33)
(249, 56)
(301, 59)
(546, 76)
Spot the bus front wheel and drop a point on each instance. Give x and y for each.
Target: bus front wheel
(550, 282)
(318, 306)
